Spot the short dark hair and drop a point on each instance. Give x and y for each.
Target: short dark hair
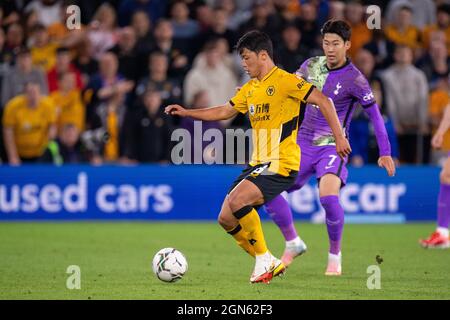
(255, 41)
(62, 50)
(444, 7)
(405, 7)
(339, 27)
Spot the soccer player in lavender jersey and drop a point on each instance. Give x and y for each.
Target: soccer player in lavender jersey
(440, 238)
(341, 81)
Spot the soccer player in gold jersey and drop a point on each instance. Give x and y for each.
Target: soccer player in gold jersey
(272, 98)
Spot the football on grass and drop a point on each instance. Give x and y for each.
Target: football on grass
(169, 265)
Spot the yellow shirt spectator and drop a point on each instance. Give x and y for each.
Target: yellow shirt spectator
(45, 56)
(439, 100)
(69, 109)
(360, 36)
(427, 32)
(30, 125)
(410, 37)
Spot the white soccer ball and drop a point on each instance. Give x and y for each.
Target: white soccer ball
(169, 265)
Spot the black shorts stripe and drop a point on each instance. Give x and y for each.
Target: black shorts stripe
(235, 230)
(288, 127)
(231, 102)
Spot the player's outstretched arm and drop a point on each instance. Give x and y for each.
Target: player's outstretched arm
(217, 113)
(329, 112)
(385, 160)
(438, 137)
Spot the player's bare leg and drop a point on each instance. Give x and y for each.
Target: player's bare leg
(329, 188)
(440, 238)
(241, 202)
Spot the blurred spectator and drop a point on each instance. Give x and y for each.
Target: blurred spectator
(48, 11)
(435, 63)
(382, 48)
(183, 26)
(84, 60)
(286, 10)
(158, 80)
(204, 17)
(149, 131)
(406, 90)
(423, 11)
(20, 74)
(110, 116)
(68, 103)
(129, 59)
(67, 148)
(43, 52)
(442, 24)
(402, 31)
(262, 19)
(200, 100)
(310, 29)
(59, 32)
(4, 60)
(321, 7)
(291, 53)
(210, 74)
(4, 69)
(337, 10)
(219, 29)
(107, 82)
(236, 17)
(362, 134)
(439, 100)
(361, 35)
(155, 9)
(15, 38)
(102, 30)
(9, 13)
(28, 124)
(142, 25)
(175, 50)
(63, 65)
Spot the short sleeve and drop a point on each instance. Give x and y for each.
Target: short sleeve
(297, 87)
(9, 119)
(239, 101)
(363, 92)
(303, 70)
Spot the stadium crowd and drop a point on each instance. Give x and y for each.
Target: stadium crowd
(96, 93)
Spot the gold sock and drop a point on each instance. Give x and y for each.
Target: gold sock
(241, 238)
(251, 224)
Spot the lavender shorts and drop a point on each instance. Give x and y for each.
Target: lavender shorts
(319, 161)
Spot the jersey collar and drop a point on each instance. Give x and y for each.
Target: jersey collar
(347, 62)
(269, 74)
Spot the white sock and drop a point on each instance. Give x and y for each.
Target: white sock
(263, 258)
(335, 257)
(443, 231)
(294, 242)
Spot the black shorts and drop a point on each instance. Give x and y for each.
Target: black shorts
(271, 184)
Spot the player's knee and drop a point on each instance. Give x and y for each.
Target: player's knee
(225, 222)
(328, 201)
(236, 202)
(445, 177)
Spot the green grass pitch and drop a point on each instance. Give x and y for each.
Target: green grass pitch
(115, 261)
